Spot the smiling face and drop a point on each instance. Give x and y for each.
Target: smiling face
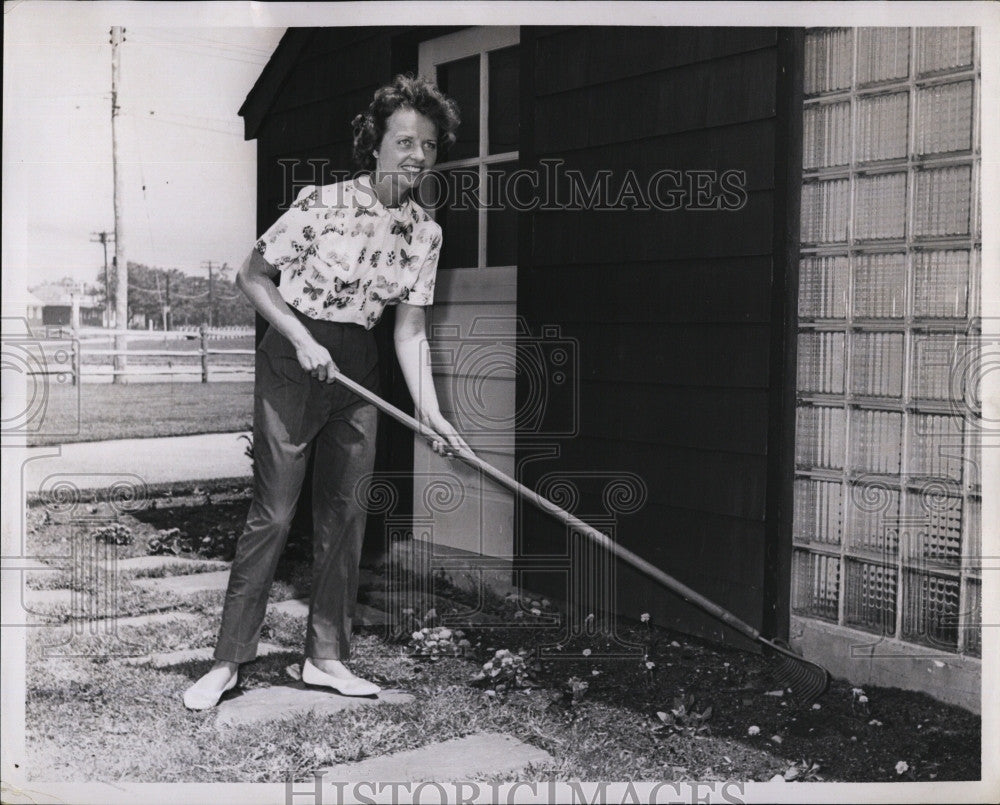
(408, 149)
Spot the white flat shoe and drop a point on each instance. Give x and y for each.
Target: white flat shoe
(200, 699)
(346, 686)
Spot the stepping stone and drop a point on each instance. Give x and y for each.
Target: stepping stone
(468, 758)
(187, 584)
(138, 621)
(33, 598)
(105, 625)
(166, 659)
(363, 615)
(158, 562)
(296, 607)
(293, 700)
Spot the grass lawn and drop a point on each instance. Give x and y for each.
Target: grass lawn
(95, 411)
(686, 711)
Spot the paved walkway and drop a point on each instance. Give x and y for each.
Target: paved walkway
(172, 458)
(473, 757)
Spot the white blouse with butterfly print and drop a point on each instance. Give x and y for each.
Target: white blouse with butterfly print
(344, 256)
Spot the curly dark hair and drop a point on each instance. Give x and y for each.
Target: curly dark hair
(405, 92)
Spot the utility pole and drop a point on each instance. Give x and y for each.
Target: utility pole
(211, 291)
(121, 264)
(102, 238)
(167, 317)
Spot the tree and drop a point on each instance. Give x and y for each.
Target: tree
(151, 289)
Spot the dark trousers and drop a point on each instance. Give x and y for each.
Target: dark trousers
(293, 413)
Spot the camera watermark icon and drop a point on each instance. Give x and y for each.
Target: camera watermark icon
(500, 380)
(36, 370)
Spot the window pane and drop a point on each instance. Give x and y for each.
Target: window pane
(460, 80)
(882, 121)
(826, 137)
(816, 584)
(880, 207)
(459, 218)
(883, 54)
(930, 610)
(941, 283)
(504, 100)
(823, 287)
(819, 511)
(876, 441)
(879, 285)
(943, 49)
(501, 218)
(819, 437)
(877, 364)
(828, 56)
(824, 211)
(871, 597)
(943, 200)
(944, 118)
(821, 363)
(873, 511)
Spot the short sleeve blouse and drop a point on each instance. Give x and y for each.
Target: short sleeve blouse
(344, 256)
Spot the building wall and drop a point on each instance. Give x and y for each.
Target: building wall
(679, 317)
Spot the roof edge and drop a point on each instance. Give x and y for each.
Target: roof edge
(271, 79)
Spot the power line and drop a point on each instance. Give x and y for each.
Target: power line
(205, 51)
(196, 41)
(192, 126)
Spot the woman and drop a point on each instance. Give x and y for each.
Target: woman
(344, 252)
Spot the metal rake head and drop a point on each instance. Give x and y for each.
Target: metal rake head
(806, 680)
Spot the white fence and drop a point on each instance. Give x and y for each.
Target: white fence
(65, 351)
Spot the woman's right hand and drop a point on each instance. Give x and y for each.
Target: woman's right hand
(255, 280)
(315, 359)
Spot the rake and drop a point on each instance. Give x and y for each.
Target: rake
(806, 680)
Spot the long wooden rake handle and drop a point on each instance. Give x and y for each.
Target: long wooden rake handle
(561, 514)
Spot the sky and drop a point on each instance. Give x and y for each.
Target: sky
(188, 176)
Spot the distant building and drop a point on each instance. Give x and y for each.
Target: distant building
(33, 312)
(56, 301)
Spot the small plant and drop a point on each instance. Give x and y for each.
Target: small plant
(804, 771)
(218, 543)
(570, 693)
(684, 717)
(170, 541)
(506, 671)
(248, 450)
(438, 642)
(116, 534)
(526, 609)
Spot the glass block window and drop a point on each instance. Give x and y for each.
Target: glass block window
(887, 497)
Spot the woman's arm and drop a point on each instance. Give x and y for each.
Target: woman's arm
(410, 337)
(254, 279)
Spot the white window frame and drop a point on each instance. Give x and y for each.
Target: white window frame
(461, 45)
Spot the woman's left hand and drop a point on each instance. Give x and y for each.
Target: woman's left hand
(449, 442)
